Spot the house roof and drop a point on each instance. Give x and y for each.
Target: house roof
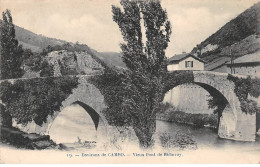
(221, 61)
(177, 58)
(249, 58)
(217, 63)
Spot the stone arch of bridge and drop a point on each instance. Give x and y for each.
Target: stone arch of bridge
(226, 104)
(88, 97)
(215, 93)
(234, 124)
(97, 118)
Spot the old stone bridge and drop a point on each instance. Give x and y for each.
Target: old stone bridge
(234, 123)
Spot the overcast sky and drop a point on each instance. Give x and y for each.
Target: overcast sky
(90, 21)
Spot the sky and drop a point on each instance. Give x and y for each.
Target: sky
(90, 21)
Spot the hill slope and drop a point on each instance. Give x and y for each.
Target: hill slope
(111, 58)
(37, 43)
(34, 41)
(238, 37)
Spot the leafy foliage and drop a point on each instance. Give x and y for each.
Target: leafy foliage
(146, 62)
(243, 88)
(5, 117)
(218, 103)
(164, 107)
(46, 69)
(37, 62)
(111, 87)
(35, 99)
(175, 78)
(67, 46)
(33, 60)
(197, 120)
(11, 52)
(181, 141)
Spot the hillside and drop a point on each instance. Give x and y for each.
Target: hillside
(37, 43)
(34, 41)
(111, 58)
(238, 37)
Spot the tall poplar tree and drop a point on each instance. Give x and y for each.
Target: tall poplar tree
(11, 52)
(146, 61)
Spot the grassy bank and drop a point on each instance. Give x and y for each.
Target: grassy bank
(169, 113)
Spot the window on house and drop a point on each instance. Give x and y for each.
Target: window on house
(188, 63)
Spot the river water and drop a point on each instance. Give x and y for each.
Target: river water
(74, 123)
(207, 138)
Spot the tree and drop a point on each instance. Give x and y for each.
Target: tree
(47, 69)
(11, 52)
(218, 103)
(35, 99)
(145, 60)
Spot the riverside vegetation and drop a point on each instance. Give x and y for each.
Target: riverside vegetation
(169, 113)
(181, 141)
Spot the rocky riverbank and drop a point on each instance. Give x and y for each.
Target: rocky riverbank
(15, 137)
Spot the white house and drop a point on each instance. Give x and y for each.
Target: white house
(185, 61)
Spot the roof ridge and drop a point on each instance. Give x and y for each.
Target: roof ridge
(180, 57)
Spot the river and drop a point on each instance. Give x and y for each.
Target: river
(207, 138)
(68, 127)
(74, 123)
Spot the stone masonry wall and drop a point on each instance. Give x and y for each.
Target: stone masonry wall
(189, 98)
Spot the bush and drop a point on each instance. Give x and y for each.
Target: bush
(165, 106)
(173, 79)
(37, 62)
(65, 70)
(35, 99)
(180, 141)
(243, 88)
(67, 46)
(166, 140)
(198, 120)
(5, 117)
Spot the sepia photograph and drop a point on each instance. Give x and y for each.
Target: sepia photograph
(130, 82)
